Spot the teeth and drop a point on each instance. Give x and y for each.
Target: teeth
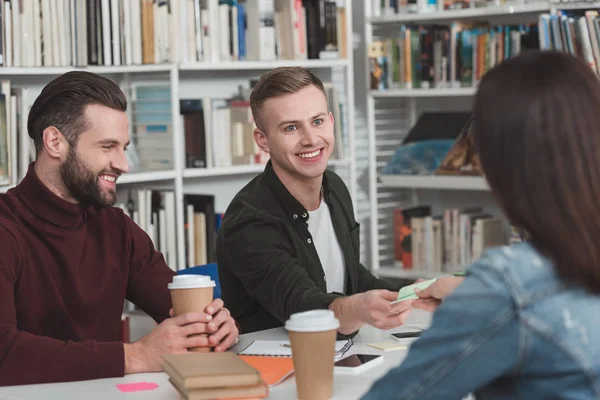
(310, 155)
(108, 178)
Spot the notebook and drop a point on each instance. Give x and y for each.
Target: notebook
(273, 370)
(278, 348)
(388, 346)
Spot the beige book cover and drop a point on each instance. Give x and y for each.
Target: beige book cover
(209, 370)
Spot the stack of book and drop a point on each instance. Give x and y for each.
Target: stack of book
(200, 376)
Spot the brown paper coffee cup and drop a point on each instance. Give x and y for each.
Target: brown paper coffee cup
(312, 336)
(191, 294)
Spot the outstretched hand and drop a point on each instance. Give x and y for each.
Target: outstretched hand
(431, 297)
(376, 309)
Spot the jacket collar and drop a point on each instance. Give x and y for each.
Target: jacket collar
(45, 205)
(293, 208)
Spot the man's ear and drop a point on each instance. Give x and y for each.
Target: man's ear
(261, 140)
(55, 143)
(331, 117)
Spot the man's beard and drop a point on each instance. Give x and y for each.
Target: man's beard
(82, 184)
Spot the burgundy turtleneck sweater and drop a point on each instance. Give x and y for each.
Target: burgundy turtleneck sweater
(65, 271)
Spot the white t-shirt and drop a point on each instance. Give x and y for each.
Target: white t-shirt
(328, 248)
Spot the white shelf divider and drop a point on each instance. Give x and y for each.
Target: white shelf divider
(437, 92)
(242, 169)
(199, 66)
(262, 65)
(123, 69)
(398, 272)
(434, 182)
(470, 13)
(146, 176)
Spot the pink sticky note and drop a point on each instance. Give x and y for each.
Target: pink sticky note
(136, 386)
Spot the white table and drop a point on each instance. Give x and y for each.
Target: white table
(345, 387)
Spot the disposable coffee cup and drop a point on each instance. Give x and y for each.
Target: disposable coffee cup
(191, 293)
(312, 336)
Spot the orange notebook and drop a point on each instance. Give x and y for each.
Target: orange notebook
(273, 370)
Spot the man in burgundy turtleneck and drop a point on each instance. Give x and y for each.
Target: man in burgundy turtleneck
(68, 259)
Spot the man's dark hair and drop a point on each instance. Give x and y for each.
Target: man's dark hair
(63, 101)
(536, 126)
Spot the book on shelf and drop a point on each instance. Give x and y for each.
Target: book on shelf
(462, 158)
(16, 148)
(154, 212)
(573, 31)
(151, 146)
(111, 32)
(445, 242)
(219, 132)
(426, 57)
(202, 222)
(433, 145)
(429, 56)
(5, 170)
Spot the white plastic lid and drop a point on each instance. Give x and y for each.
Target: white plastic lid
(191, 282)
(312, 321)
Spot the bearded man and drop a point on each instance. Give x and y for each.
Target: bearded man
(68, 259)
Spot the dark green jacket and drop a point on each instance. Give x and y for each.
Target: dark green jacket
(269, 267)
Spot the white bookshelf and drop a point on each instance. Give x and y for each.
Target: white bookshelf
(392, 112)
(202, 80)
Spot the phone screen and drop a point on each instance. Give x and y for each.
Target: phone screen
(405, 335)
(356, 360)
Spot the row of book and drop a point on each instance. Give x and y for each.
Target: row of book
(441, 57)
(217, 132)
(112, 32)
(459, 55)
(445, 242)
(154, 211)
(232, 119)
(576, 32)
(16, 148)
(395, 7)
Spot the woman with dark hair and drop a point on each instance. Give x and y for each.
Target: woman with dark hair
(524, 323)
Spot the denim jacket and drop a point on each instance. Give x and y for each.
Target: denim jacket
(512, 330)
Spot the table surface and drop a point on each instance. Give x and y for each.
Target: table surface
(346, 387)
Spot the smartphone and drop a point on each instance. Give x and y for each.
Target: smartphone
(357, 363)
(405, 335)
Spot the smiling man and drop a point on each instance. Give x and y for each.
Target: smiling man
(289, 241)
(68, 259)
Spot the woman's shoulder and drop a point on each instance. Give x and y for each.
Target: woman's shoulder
(519, 268)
